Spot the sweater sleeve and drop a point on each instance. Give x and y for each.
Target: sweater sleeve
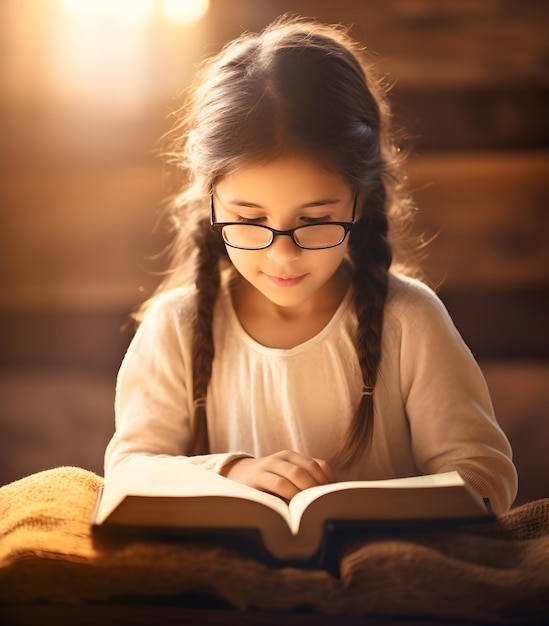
(452, 423)
(153, 403)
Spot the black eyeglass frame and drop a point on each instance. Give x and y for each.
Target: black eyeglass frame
(218, 227)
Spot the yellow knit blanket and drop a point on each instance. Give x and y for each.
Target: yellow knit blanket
(497, 573)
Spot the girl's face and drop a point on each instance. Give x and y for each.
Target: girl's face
(283, 194)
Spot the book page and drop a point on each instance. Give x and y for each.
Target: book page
(302, 500)
(158, 476)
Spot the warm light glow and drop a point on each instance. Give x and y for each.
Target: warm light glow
(185, 11)
(133, 11)
(81, 9)
(100, 57)
(123, 11)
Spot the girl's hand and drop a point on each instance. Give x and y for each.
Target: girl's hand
(283, 474)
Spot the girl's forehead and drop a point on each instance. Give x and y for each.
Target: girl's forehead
(293, 172)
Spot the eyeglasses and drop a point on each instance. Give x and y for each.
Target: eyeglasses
(258, 237)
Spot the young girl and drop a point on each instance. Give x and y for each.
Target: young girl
(284, 350)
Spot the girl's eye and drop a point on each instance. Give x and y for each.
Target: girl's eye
(249, 220)
(317, 220)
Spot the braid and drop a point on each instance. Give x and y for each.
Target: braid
(207, 289)
(371, 255)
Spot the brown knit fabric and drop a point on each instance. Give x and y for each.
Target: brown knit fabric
(498, 573)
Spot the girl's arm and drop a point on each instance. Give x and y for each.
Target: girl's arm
(153, 406)
(447, 402)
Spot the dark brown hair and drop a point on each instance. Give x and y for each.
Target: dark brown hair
(299, 86)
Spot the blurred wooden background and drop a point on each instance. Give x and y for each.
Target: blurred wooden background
(83, 98)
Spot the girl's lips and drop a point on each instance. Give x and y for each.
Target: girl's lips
(285, 282)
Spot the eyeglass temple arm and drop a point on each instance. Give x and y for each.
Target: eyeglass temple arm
(212, 212)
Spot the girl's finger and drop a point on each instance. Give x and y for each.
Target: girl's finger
(302, 472)
(319, 470)
(327, 470)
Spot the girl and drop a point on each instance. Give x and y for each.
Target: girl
(286, 349)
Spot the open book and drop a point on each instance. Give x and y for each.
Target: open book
(165, 495)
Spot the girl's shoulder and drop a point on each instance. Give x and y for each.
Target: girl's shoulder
(176, 303)
(402, 287)
(410, 300)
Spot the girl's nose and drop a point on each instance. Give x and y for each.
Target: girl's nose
(283, 250)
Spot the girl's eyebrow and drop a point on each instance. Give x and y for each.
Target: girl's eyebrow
(252, 205)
